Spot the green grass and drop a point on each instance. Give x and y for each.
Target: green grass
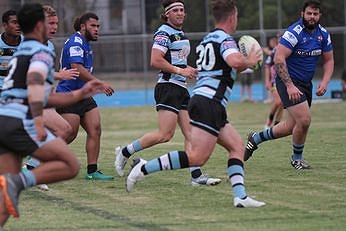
(296, 200)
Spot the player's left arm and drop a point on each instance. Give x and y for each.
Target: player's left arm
(37, 73)
(328, 68)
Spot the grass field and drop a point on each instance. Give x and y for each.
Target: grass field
(296, 200)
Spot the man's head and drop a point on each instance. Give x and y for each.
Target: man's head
(174, 12)
(51, 20)
(31, 19)
(88, 25)
(311, 14)
(10, 23)
(225, 11)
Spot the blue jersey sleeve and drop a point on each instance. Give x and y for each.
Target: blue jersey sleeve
(75, 53)
(327, 43)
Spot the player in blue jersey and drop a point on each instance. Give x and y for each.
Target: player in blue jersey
(9, 41)
(296, 59)
(26, 91)
(169, 54)
(77, 53)
(218, 62)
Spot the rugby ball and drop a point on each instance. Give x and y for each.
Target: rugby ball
(245, 44)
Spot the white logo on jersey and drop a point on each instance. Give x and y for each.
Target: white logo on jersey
(78, 40)
(290, 37)
(298, 29)
(76, 51)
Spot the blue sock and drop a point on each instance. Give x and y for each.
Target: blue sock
(135, 146)
(264, 135)
(297, 151)
(170, 161)
(28, 179)
(33, 162)
(235, 172)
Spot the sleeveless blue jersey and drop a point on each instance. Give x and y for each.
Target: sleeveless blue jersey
(6, 53)
(306, 49)
(215, 77)
(76, 50)
(176, 47)
(14, 95)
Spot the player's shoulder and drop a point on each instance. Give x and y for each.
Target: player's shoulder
(218, 36)
(75, 40)
(32, 47)
(296, 28)
(323, 30)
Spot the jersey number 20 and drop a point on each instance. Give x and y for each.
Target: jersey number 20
(206, 57)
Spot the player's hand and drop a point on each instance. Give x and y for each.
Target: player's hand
(189, 72)
(294, 93)
(321, 89)
(108, 89)
(92, 87)
(67, 74)
(254, 56)
(41, 133)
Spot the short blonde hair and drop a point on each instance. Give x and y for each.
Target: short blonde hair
(49, 10)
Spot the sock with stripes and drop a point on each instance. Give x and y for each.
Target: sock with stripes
(235, 172)
(264, 135)
(195, 172)
(170, 161)
(297, 151)
(135, 146)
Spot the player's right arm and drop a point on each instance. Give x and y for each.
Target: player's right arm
(63, 99)
(158, 61)
(282, 52)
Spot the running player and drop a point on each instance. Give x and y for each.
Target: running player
(295, 60)
(26, 91)
(218, 61)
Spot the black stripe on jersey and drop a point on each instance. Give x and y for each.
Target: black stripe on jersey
(177, 37)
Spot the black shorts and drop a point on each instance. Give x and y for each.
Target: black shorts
(19, 136)
(79, 108)
(304, 87)
(207, 114)
(246, 79)
(171, 97)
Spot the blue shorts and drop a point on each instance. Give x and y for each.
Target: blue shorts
(304, 87)
(171, 97)
(207, 114)
(19, 136)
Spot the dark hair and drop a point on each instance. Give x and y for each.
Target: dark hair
(83, 19)
(166, 3)
(6, 16)
(223, 8)
(316, 4)
(29, 15)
